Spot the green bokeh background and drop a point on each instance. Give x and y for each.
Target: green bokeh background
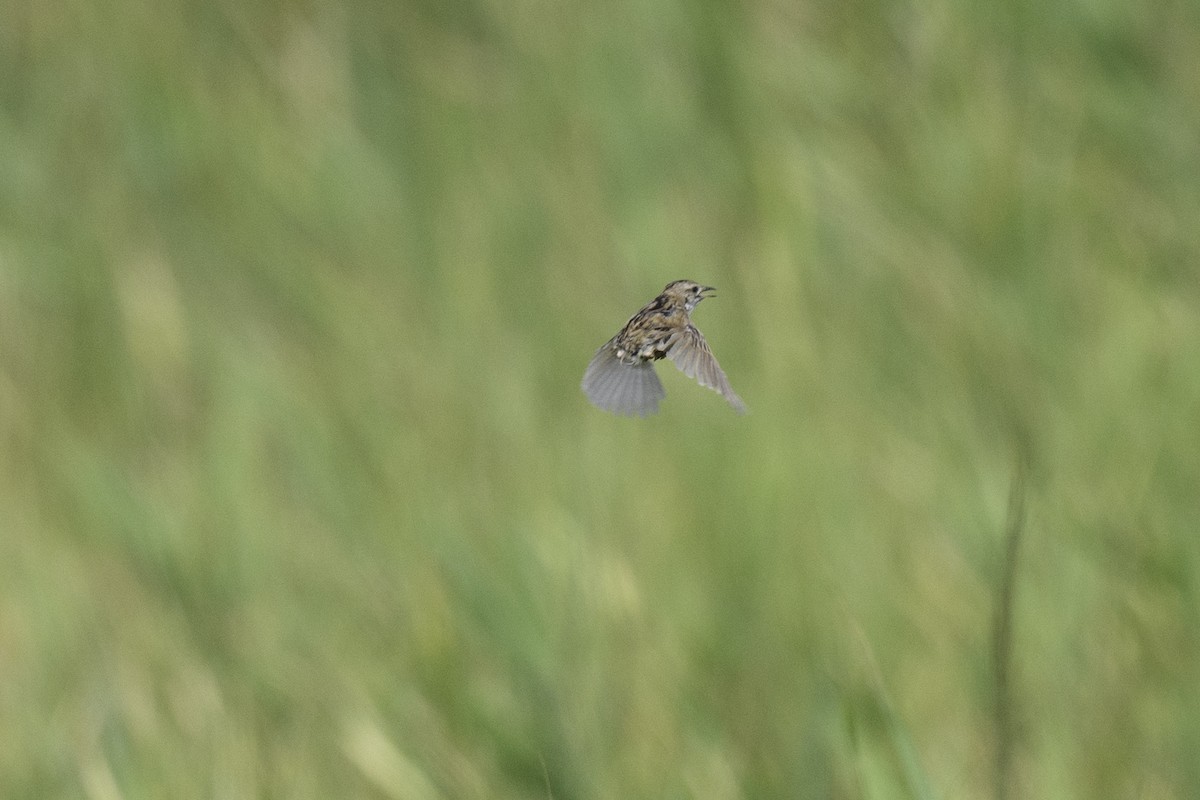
(299, 496)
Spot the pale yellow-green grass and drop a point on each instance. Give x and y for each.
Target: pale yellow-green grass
(299, 496)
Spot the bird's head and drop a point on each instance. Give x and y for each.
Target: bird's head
(688, 293)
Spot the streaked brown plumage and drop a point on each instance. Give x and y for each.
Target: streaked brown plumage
(621, 377)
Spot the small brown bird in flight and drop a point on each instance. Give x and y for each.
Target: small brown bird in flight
(621, 376)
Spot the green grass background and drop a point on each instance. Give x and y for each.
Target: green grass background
(300, 497)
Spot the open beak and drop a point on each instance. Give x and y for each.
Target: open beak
(705, 291)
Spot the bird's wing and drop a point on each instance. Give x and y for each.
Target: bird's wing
(625, 389)
(693, 357)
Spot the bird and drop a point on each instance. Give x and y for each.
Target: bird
(621, 377)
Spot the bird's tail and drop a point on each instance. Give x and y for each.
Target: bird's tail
(625, 389)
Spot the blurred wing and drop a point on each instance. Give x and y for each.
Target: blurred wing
(625, 389)
(694, 358)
